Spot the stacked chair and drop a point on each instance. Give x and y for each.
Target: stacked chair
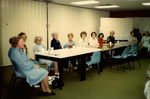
(128, 54)
(134, 55)
(121, 58)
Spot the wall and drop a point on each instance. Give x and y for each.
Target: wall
(123, 14)
(21, 16)
(66, 19)
(141, 18)
(143, 24)
(30, 17)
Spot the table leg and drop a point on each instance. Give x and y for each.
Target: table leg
(83, 69)
(61, 72)
(37, 58)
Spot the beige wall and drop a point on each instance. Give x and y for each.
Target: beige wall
(30, 17)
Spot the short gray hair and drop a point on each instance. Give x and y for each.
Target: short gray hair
(54, 34)
(112, 31)
(35, 39)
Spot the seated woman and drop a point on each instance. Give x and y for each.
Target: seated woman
(146, 41)
(34, 73)
(69, 44)
(56, 45)
(111, 38)
(25, 49)
(83, 41)
(100, 39)
(40, 48)
(132, 38)
(55, 42)
(93, 40)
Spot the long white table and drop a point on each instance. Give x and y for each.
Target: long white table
(62, 54)
(79, 53)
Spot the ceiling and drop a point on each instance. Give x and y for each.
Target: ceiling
(124, 4)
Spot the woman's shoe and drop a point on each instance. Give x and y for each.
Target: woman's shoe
(50, 94)
(41, 93)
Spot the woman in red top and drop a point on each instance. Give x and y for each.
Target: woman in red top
(100, 39)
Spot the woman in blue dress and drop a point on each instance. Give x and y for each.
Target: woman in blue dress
(70, 44)
(146, 41)
(41, 48)
(34, 73)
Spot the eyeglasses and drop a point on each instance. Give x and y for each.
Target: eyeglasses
(38, 40)
(24, 37)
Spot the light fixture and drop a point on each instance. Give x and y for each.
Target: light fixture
(146, 4)
(109, 6)
(85, 2)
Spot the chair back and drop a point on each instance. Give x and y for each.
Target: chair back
(15, 66)
(9, 54)
(135, 51)
(95, 58)
(132, 47)
(18, 71)
(125, 53)
(65, 46)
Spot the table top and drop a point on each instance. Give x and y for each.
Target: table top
(64, 53)
(106, 47)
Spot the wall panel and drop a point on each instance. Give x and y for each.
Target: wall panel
(21, 16)
(66, 19)
(30, 17)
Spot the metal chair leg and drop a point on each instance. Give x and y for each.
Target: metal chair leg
(111, 64)
(98, 69)
(129, 65)
(133, 63)
(123, 68)
(139, 62)
(13, 83)
(12, 78)
(90, 72)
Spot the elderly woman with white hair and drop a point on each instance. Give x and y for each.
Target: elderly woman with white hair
(111, 38)
(40, 48)
(55, 42)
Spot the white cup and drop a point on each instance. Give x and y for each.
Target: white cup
(110, 43)
(52, 48)
(118, 42)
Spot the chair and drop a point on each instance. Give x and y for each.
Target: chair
(18, 74)
(134, 55)
(133, 45)
(121, 58)
(65, 46)
(94, 60)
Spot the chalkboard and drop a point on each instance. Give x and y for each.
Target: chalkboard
(121, 26)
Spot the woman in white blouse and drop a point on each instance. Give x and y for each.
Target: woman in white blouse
(41, 48)
(93, 40)
(83, 41)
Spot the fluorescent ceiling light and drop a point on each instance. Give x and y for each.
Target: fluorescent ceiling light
(102, 7)
(84, 2)
(146, 4)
